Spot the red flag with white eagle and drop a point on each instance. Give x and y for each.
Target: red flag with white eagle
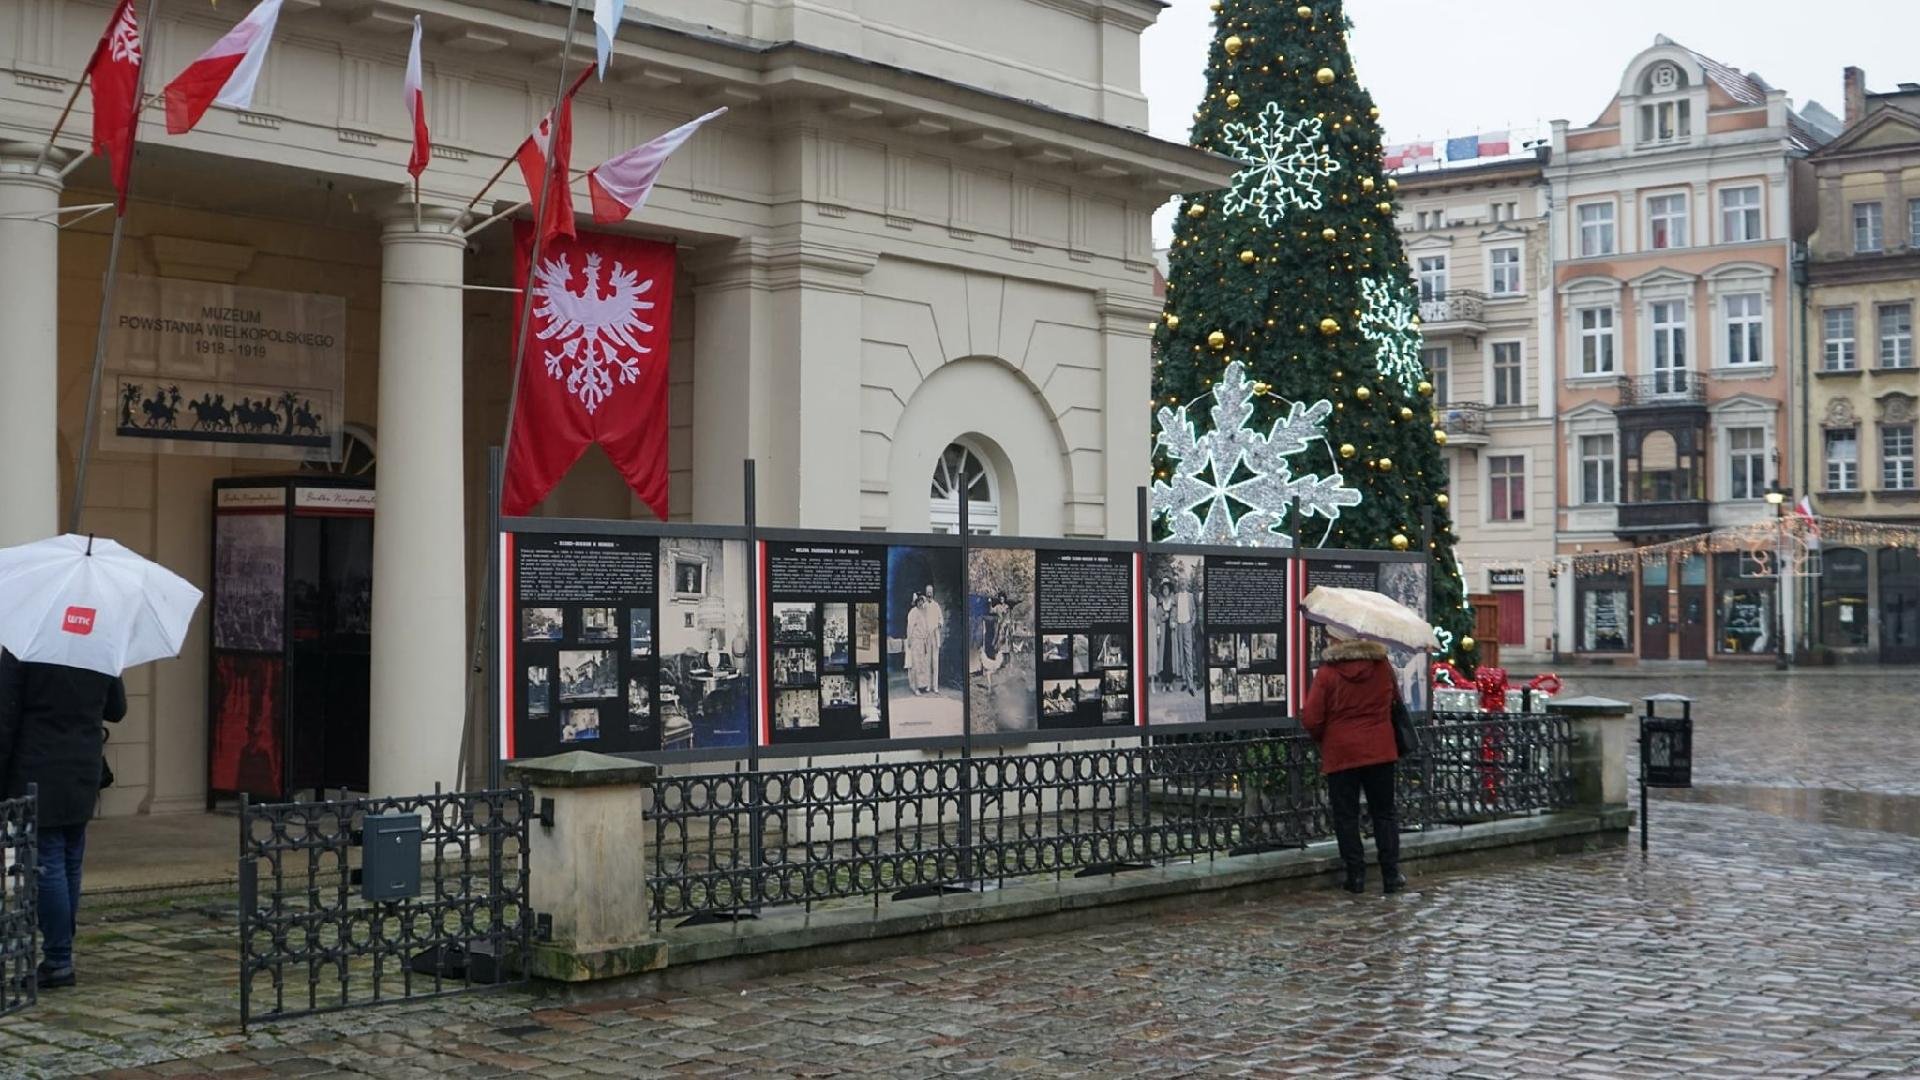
(552, 138)
(226, 73)
(596, 364)
(115, 73)
(416, 96)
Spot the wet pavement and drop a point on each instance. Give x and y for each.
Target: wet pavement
(1773, 931)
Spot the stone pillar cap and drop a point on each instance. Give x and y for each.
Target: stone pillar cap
(580, 768)
(1589, 706)
(1668, 696)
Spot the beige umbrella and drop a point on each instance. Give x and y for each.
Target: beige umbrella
(1365, 614)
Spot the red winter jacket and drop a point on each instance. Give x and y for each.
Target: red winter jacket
(1349, 708)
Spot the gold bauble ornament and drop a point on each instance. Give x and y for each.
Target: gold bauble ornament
(1347, 450)
(1303, 11)
(1367, 185)
(1385, 207)
(1441, 500)
(1233, 44)
(1467, 643)
(1233, 100)
(1406, 413)
(1439, 437)
(1399, 541)
(1329, 326)
(1363, 393)
(1216, 5)
(1217, 340)
(1324, 76)
(1197, 210)
(1247, 257)
(1261, 388)
(1386, 464)
(1425, 388)
(1173, 321)
(1392, 184)
(1329, 234)
(1373, 112)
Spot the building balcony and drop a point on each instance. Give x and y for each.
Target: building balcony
(1465, 422)
(1667, 389)
(1679, 517)
(1455, 311)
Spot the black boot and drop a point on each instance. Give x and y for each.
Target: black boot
(1392, 880)
(1356, 880)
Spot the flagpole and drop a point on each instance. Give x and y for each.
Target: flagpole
(570, 90)
(107, 282)
(68, 111)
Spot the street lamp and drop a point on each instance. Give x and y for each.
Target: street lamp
(1777, 497)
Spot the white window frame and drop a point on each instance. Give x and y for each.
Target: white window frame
(1899, 343)
(1739, 224)
(1749, 456)
(1675, 332)
(1604, 227)
(1498, 271)
(1607, 474)
(1869, 226)
(1679, 115)
(1913, 223)
(1896, 470)
(1422, 273)
(1526, 490)
(1441, 374)
(983, 516)
(1749, 282)
(1839, 351)
(1678, 222)
(1841, 474)
(1519, 369)
(1743, 337)
(1604, 339)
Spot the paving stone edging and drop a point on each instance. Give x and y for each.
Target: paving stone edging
(691, 957)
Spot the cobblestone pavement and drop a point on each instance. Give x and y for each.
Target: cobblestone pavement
(1749, 943)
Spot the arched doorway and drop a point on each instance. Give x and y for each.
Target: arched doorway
(963, 470)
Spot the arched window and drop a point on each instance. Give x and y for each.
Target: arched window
(961, 469)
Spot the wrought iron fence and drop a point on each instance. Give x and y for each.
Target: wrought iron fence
(310, 942)
(19, 901)
(725, 845)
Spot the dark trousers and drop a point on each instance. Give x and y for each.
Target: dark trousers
(1343, 798)
(61, 849)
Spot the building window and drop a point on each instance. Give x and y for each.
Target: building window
(1435, 360)
(961, 470)
(1506, 373)
(1667, 221)
(1596, 470)
(1665, 121)
(1843, 460)
(1433, 277)
(1744, 620)
(1913, 223)
(1747, 462)
(1669, 320)
(1606, 612)
(1843, 598)
(1507, 477)
(1837, 351)
(1896, 335)
(1739, 214)
(1596, 229)
(1505, 263)
(1868, 234)
(1744, 330)
(1896, 457)
(1596, 341)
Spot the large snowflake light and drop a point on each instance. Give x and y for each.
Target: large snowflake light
(1286, 164)
(1387, 322)
(1207, 479)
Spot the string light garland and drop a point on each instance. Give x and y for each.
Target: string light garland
(1764, 542)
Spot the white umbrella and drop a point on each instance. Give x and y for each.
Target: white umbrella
(89, 603)
(1366, 614)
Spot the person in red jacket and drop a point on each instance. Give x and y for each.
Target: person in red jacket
(1349, 714)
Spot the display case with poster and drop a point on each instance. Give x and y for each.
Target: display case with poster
(1053, 638)
(290, 608)
(825, 664)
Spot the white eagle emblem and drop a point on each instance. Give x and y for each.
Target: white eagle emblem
(123, 40)
(594, 330)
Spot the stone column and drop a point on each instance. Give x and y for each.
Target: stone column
(419, 538)
(1126, 347)
(731, 389)
(1601, 733)
(29, 344)
(589, 860)
(813, 479)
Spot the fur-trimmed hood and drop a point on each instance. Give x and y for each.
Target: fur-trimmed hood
(1354, 650)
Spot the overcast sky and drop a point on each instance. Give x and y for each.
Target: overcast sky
(1439, 67)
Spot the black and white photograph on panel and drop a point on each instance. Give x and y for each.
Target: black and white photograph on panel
(1246, 602)
(1086, 592)
(870, 698)
(1058, 696)
(639, 633)
(837, 692)
(795, 665)
(1407, 583)
(588, 674)
(706, 676)
(1082, 654)
(793, 622)
(834, 637)
(796, 710)
(867, 636)
(538, 701)
(1055, 648)
(543, 624)
(1177, 647)
(250, 600)
(598, 624)
(814, 592)
(579, 725)
(926, 642)
(573, 593)
(1001, 653)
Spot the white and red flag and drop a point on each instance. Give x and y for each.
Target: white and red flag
(225, 73)
(1495, 143)
(596, 366)
(621, 184)
(115, 72)
(416, 96)
(552, 138)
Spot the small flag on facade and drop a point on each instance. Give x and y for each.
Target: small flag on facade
(552, 138)
(115, 74)
(1495, 143)
(1463, 148)
(417, 107)
(1403, 155)
(225, 73)
(621, 185)
(606, 22)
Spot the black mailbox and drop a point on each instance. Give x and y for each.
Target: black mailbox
(390, 857)
(1666, 744)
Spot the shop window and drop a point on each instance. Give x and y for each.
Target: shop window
(1743, 607)
(1606, 613)
(1843, 598)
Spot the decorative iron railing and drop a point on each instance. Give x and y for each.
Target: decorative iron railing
(1678, 386)
(725, 845)
(19, 901)
(310, 942)
(1462, 417)
(1452, 306)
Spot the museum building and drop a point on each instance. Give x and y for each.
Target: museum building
(914, 266)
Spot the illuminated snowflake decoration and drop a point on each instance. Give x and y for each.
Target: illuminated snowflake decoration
(1198, 505)
(1286, 164)
(1388, 325)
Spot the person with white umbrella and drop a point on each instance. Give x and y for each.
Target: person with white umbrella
(74, 613)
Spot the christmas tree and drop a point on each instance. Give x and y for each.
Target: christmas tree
(1295, 275)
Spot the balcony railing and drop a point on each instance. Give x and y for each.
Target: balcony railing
(1453, 306)
(1465, 422)
(1675, 516)
(1676, 387)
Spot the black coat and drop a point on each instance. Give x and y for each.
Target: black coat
(50, 735)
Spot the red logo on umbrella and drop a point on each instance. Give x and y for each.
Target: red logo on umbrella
(79, 620)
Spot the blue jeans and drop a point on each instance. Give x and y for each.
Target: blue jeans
(61, 850)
